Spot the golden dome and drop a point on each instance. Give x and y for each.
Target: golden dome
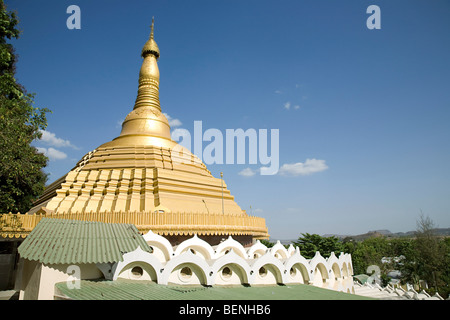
(143, 171)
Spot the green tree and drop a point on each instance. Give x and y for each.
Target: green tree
(371, 251)
(430, 249)
(444, 290)
(367, 253)
(429, 258)
(21, 177)
(310, 243)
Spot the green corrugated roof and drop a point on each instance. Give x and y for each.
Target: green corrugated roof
(73, 241)
(361, 278)
(146, 290)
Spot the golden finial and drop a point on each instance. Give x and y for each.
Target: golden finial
(151, 47)
(152, 27)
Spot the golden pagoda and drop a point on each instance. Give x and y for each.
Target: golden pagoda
(146, 178)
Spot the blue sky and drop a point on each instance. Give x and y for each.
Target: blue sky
(371, 106)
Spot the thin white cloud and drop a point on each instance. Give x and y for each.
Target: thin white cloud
(288, 106)
(247, 172)
(52, 153)
(49, 138)
(173, 122)
(278, 91)
(308, 167)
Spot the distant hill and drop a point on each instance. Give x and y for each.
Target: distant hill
(443, 232)
(283, 242)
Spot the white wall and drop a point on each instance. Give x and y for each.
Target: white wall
(38, 280)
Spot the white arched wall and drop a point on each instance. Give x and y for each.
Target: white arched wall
(229, 244)
(138, 258)
(298, 269)
(291, 250)
(298, 273)
(256, 250)
(231, 264)
(162, 248)
(274, 270)
(138, 270)
(200, 270)
(319, 269)
(195, 275)
(279, 251)
(320, 276)
(335, 276)
(349, 268)
(198, 246)
(229, 275)
(334, 272)
(345, 272)
(345, 263)
(240, 270)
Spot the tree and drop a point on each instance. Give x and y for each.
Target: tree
(368, 252)
(444, 290)
(21, 177)
(430, 251)
(310, 243)
(427, 259)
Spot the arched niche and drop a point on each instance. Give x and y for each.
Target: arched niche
(267, 274)
(231, 274)
(320, 276)
(187, 274)
(138, 270)
(298, 273)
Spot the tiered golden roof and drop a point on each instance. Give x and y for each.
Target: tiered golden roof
(144, 170)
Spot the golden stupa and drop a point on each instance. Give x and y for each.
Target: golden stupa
(146, 178)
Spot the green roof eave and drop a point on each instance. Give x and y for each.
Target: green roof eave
(60, 241)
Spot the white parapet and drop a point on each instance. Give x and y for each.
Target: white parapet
(196, 262)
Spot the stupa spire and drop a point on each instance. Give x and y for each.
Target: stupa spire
(146, 119)
(152, 28)
(150, 46)
(148, 92)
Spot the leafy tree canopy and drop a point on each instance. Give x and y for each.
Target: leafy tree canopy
(21, 177)
(310, 243)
